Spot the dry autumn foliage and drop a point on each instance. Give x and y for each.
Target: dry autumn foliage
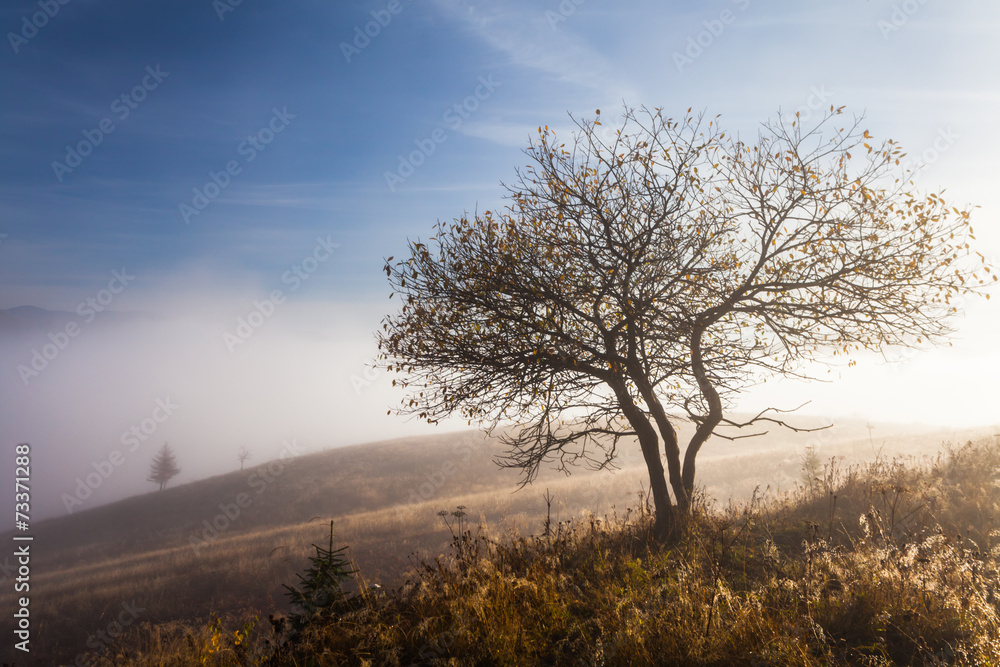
(653, 273)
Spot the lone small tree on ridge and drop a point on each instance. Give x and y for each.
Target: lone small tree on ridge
(164, 467)
(243, 456)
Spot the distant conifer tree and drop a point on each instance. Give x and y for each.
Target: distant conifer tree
(164, 466)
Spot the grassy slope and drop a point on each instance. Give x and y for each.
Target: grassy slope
(86, 565)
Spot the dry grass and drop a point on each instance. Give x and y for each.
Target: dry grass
(886, 563)
(87, 565)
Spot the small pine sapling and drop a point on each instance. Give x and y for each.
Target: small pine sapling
(321, 595)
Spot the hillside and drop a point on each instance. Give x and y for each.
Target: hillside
(227, 544)
(884, 563)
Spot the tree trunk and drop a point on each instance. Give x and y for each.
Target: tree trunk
(649, 443)
(672, 451)
(710, 421)
(671, 448)
(665, 519)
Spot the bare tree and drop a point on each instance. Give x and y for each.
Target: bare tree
(653, 276)
(164, 466)
(243, 456)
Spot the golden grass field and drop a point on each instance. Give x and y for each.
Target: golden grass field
(147, 553)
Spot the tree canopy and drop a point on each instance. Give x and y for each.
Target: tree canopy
(652, 273)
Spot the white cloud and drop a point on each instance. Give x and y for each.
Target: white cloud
(529, 39)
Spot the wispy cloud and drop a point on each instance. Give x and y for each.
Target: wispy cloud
(530, 39)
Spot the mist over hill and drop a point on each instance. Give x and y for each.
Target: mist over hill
(97, 396)
(229, 542)
(86, 391)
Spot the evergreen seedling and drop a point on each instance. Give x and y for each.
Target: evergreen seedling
(321, 595)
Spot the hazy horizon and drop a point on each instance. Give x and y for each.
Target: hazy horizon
(241, 174)
(130, 385)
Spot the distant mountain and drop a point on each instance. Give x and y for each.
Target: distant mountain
(27, 318)
(32, 319)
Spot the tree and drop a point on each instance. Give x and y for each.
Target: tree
(243, 456)
(164, 466)
(654, 275)
(322, 596)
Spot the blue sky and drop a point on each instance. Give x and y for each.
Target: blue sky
(227, 71)
(924, 72)
(326, 171)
